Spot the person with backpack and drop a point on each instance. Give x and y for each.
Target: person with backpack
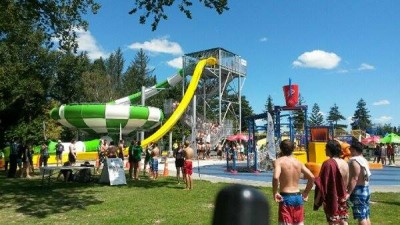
(44, 154)
(59, 152)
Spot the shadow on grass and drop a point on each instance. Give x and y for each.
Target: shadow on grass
(30, 198)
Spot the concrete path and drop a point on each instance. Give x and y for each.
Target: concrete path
(385, 180)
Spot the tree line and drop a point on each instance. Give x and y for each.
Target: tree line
(40, 68)
(360, 119)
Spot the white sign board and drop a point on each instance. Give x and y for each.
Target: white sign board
(113, 172)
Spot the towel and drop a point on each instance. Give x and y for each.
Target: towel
(363, 163)
(330, 186)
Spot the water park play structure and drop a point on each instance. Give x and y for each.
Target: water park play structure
(212, 74)
(311, 146)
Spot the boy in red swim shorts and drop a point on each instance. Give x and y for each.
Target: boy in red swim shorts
(188, 166)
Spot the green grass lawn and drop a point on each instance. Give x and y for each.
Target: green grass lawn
(146, 201)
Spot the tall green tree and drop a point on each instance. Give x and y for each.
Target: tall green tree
(334, 115)
(114, 68)
(299, 117)
(68, 82)
(27, 66)
(96, 83)
(269, 107)
(156, 9)
(54, 19)
(361, 116)
(316, 117)
(138, 74)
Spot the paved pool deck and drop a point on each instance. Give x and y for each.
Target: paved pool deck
(213, 170)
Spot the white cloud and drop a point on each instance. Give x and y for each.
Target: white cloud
(176, 63)
(383, 119)
(382, 102)
(263, 39)
(317, 59)
(87, 43)
(342, 71)
(365, 66)
(160, 45)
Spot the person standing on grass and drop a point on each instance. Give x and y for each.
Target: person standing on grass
(147, 159)
(72, 153)
(44, 154)
(155, 154)
(137, 157)
(179, 161)
(6, 152)
(330, 189)
(102, 153)
(130, 158)
(286, 176)
(14, 149)
(31, 152)
(25, 162)
(358, 188)
(188, 165)
(59, 152)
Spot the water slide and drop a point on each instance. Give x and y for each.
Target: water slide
(115, 116)
(119, 116)
(150, 91)
(176, 115)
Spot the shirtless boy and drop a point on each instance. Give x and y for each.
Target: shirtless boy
(358, 184)
(155, 154)
(286, 176)
(187, 165)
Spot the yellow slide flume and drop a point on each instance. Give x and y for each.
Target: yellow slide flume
(183, 104)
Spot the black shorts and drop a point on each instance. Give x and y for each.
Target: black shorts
(133, 160)
(179, 162)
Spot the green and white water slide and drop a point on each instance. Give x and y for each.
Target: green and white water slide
(120, 116)
(115, 116)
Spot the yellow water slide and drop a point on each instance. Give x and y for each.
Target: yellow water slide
(183, 104)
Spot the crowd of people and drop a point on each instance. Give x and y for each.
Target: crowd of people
(385, 153)
(340, 185)
(19, 159)
(152, 157)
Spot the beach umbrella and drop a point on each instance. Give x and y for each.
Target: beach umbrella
(391, 138)
(371, 140)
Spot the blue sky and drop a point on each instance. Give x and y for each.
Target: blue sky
(337, 52)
